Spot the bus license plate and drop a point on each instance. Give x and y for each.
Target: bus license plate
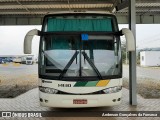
(79, 101)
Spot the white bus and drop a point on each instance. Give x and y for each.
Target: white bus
(80, 62)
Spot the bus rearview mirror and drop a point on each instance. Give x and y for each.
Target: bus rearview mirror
(130, 41)
(28, 41)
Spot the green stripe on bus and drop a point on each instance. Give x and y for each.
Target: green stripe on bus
(91, 83)
(80, 83)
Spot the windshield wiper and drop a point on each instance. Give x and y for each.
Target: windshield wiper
(68, 65)
(92, 65)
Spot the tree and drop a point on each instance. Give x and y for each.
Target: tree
(124, 51)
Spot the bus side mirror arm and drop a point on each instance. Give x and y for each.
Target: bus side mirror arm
(28, 40)
(130, 41)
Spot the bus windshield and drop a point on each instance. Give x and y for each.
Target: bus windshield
(80, 55)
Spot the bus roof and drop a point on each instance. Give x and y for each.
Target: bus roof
(83, 12)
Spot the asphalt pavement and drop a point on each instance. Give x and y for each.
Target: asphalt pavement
(143, 72)
(18, 69)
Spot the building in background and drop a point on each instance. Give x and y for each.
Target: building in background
(22, 59)
(150, 58)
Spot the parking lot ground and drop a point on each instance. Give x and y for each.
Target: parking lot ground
(143, 72)
(29, 101)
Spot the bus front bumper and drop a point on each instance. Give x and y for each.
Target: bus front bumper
(67, 101)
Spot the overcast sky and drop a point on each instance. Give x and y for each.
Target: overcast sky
(12, 38)
(147, 35)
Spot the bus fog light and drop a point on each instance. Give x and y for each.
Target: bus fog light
(118, 99)
(41, 100)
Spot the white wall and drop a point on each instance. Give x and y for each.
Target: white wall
(142, 58)
(151, 58)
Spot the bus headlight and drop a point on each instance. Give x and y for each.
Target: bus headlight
(112, 89)
(48, 90)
